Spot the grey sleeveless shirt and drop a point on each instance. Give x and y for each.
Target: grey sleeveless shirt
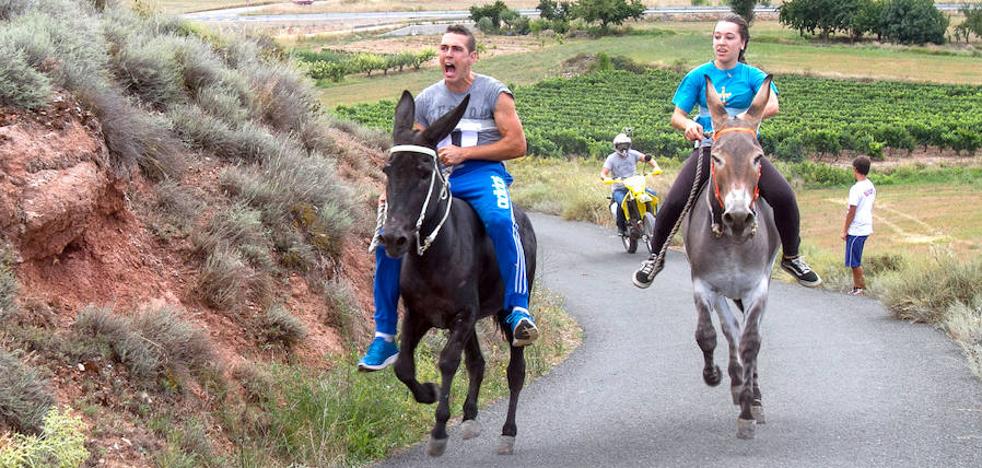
(477, 127)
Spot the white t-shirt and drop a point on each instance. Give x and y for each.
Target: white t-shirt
(862, 195)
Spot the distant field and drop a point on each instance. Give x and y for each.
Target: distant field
(687, 44)
(332, 6)
(187, 6)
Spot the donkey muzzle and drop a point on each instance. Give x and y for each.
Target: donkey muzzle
(396, 241)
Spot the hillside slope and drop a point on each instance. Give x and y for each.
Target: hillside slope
(178, 219)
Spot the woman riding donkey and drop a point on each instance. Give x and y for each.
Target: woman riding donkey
(736, 82)
(489, 133)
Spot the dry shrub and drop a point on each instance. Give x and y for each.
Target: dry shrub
(150, 344)
(281, 328)
(343, 312)
(925, 292)
(25, 396)
(224, 280)
(20, 84)
(281, 98)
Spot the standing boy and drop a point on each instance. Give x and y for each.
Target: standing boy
(859, 222)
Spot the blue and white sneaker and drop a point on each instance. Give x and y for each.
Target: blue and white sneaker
(523, 329)
(381, 354)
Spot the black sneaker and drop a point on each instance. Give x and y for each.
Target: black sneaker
(646, 274)
(801, 271)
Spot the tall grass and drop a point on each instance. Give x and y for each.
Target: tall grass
(343, 417)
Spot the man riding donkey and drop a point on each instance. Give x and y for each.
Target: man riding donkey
(489, 133)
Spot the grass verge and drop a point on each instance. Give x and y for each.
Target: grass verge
(343, 417)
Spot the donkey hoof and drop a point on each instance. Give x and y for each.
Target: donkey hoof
(429, 394)
(712, 377)
(746, 428)
(470, 429)
(506, 445)
(436, 447)
(757, 411)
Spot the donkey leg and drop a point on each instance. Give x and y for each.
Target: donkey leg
(449, 362)
(405, 366)
(706, 339)
(731, 329)
(474, 361)
(516, 381)
(757, 406)
(749, 348)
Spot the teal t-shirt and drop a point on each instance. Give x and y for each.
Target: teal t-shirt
(736, 88)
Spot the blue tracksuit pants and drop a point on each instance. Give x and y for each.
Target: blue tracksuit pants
(486, 190)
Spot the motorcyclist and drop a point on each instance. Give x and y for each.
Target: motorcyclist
(621, 164)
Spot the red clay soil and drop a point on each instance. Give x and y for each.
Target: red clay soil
(77, 240)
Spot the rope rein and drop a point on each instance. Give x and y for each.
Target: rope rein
(688, 205)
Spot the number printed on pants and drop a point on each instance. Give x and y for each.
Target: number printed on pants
(500, 191)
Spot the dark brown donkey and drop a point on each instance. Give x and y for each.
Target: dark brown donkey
(449, 275)
(732, 258)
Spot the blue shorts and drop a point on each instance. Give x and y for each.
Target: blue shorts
(854, 250)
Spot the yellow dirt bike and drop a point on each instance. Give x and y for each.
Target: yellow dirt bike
(639, 206)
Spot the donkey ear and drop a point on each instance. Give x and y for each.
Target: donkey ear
(405, 114)
(442, 127)
(716, 108)
(756, 109)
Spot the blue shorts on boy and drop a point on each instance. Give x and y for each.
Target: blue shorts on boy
(854, 250)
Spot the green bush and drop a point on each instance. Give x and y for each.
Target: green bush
(913, 22)
(25, 396)
(61, 444)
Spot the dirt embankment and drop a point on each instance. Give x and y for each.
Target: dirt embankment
(78, 232)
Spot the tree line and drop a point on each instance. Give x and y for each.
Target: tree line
(899, 21)
(498, 18)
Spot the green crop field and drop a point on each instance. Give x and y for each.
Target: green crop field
(579, 115)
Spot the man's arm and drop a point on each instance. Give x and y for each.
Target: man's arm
(849, 217)
(511, 145)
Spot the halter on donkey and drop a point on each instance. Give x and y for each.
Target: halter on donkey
(733, 258)
(450, 278)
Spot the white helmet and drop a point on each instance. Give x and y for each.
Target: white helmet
(622, 142)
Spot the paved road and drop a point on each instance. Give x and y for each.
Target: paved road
(844, 385)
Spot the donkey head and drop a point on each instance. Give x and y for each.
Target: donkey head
(413, 176)
(737, 160)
